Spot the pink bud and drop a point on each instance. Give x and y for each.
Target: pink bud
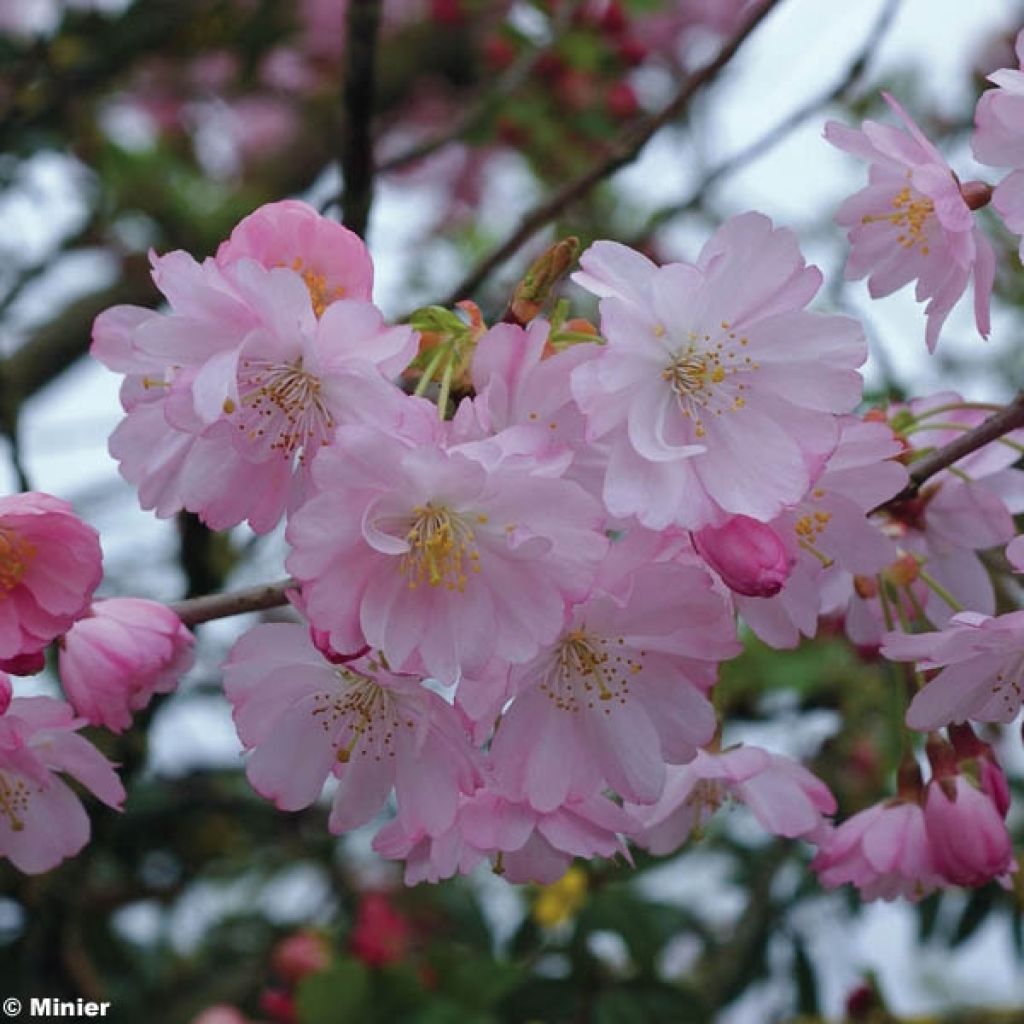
(221, 1014)
(300, 954)
(28, 664)
(968, 838)
(748, 555)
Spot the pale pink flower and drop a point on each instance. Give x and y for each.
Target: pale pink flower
(715, 400)
(305, 718)
(231, 395)
(786, 798)
(998, 139)
(620, 692)
(884, 851)
(435, 559)
(912, 223)
(967, 834)
(41, 819)
(982, 662)
(332, 261)
(121, 652)
(525, 845)
(50, 564)
(748, 556)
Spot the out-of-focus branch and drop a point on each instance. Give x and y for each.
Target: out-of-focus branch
(624, 153)
(358, 104)
(195, 610)
(770, 139)
(995, 427)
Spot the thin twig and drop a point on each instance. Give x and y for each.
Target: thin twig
(625, 153)
(194, 610)
(358, 105)
(1010, 418)
(770, 139)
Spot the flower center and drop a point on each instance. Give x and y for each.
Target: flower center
(586, 669)
(320, 293)
(910, 217)
(701, 375)
(283, 407)
(15, 555)
(442, 549)
(14, 796)
(361, 715)
(1009, 683)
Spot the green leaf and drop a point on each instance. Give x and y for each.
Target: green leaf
(806, 980)
(335, 996)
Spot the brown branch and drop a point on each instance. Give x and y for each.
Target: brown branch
(625, 153)
(995, 427)
(358, 105)
(195, 610)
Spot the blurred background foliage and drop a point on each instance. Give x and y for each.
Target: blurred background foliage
(160, 123)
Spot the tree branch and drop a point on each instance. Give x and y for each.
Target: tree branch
(627, 151)
(995, 427)
(358, 105)
(195, 610)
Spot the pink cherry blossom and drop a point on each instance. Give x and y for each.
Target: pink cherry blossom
(884, 851)
(41, 819)
(50, 564)
(982, 662)
(912, 223)
(715, 400)
(121, 652)
(998, 139)
(525, 844)
(230, 396)
(620, 692)
(967, 834)
(305, 718)
(436, 559)
(785, 797)
(332, 261)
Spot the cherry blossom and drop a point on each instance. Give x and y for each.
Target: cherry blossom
(911, 222)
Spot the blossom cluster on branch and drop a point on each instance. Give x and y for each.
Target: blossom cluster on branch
(520, 553)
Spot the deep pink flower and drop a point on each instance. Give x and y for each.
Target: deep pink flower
(998, 139)
(306, 718)
(982, 662)
(50, 564)
(785, 797)
(967, 834)
(231, 395)
(332, 261)
(620, 692)
(715, 400)
(436, 559)
(41, 819)
(380, 934)
(884, 851)
(911, 222)
(749, 556)
(525, 845)
(121, 652)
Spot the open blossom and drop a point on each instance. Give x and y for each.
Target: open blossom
(967, 834)
(998, 139)
(620, 692)
(715, 400)
(50, 564)
(121, 652)
(435, 559)
(884, 851)
(231, 394)
(912, 223)
(786, 798)
(332, 261)
(305, 718)
(526, 845)
(41, 819)
(982, 662)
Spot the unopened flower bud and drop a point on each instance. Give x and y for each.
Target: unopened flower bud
(748, 555)
(976, 194)
(29, 664)
(299, 955)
